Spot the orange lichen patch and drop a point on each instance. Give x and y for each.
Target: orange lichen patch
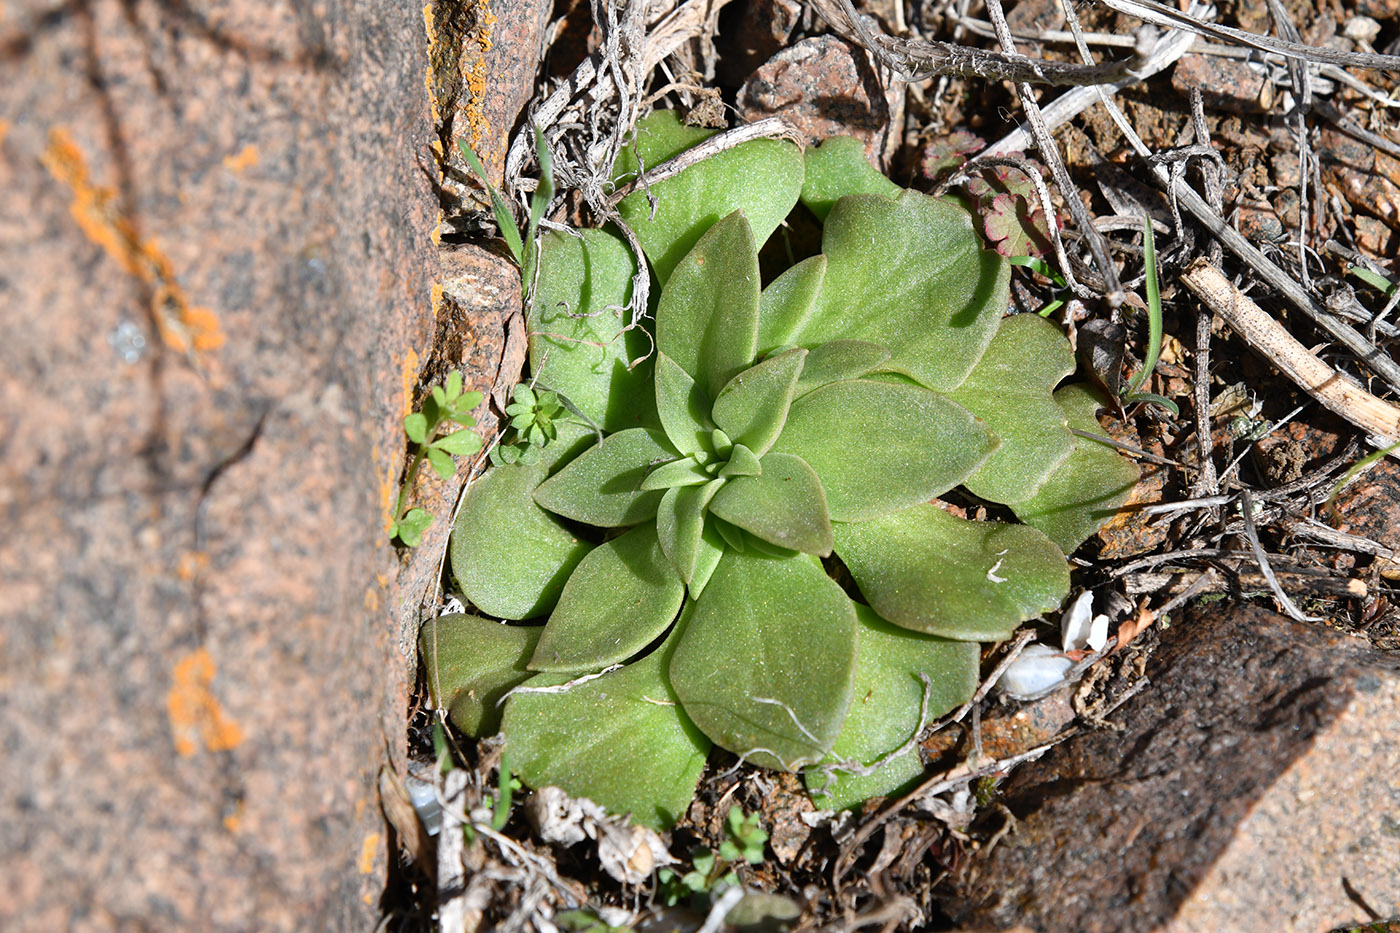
(430, 28)
(410, 379)
(190, 564)
(388, 496)
(4, 130)
(97, 211)
(367, 853)
(435, 294)
(247, 157)
(232, 821)
(196, 719)
(478, 42)
(372, 600)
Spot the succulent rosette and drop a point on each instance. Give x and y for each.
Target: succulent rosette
(685, 565)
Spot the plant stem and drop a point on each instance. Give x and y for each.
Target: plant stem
(412, 473)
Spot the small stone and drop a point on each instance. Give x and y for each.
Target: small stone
(823, 86)
(1225, 84)
(1260, 225)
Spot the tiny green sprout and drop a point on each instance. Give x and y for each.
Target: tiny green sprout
(1039, 266)
(1154, 324)
(526, 252)
(707, 876)
(746, 838)
(533, 425)
(585, 921)
(442, 753)
(506, 786)
(432, 430)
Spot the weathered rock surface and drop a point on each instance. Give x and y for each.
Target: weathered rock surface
(1255, 787)
(215, 286)
(823, 86)
(481, 332)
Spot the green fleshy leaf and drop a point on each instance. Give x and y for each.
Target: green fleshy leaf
(707, 319)
(686, 472)
(753, 544)
(604, 486)
(621, 740)
(927, 570)
(753, 406)
(914, 445)
(838, 361)
(683, 407)
(910, 275)
(712, 548)
(885, 712)
(1010, 389)
(733, 536)
(837, 168)
(763, 177)
(1089, 487)
(742, 462)
(416, 427)
(769, 642)
(660, 137)
(783, 506)
(617, 601)
(453, 385)
(787, 303)
(471, 663)
(680, 526)
(577, 340)
(510, 556)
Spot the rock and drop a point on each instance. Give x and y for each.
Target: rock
(216, 287)
(1255, 783)
(483, 55)
(823, 86)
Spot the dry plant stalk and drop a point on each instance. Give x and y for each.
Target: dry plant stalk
(1377, 417)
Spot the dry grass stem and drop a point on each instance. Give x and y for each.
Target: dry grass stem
(1378, 418)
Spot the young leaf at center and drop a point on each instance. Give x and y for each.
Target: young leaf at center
(707, 319)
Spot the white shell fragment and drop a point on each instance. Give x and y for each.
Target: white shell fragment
(1038, 669)
(630, 853)
(1080, 628)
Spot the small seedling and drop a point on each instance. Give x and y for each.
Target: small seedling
(1040, 267)
(710, 872)
(746, 838)
(532, 426)
(440, 431)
